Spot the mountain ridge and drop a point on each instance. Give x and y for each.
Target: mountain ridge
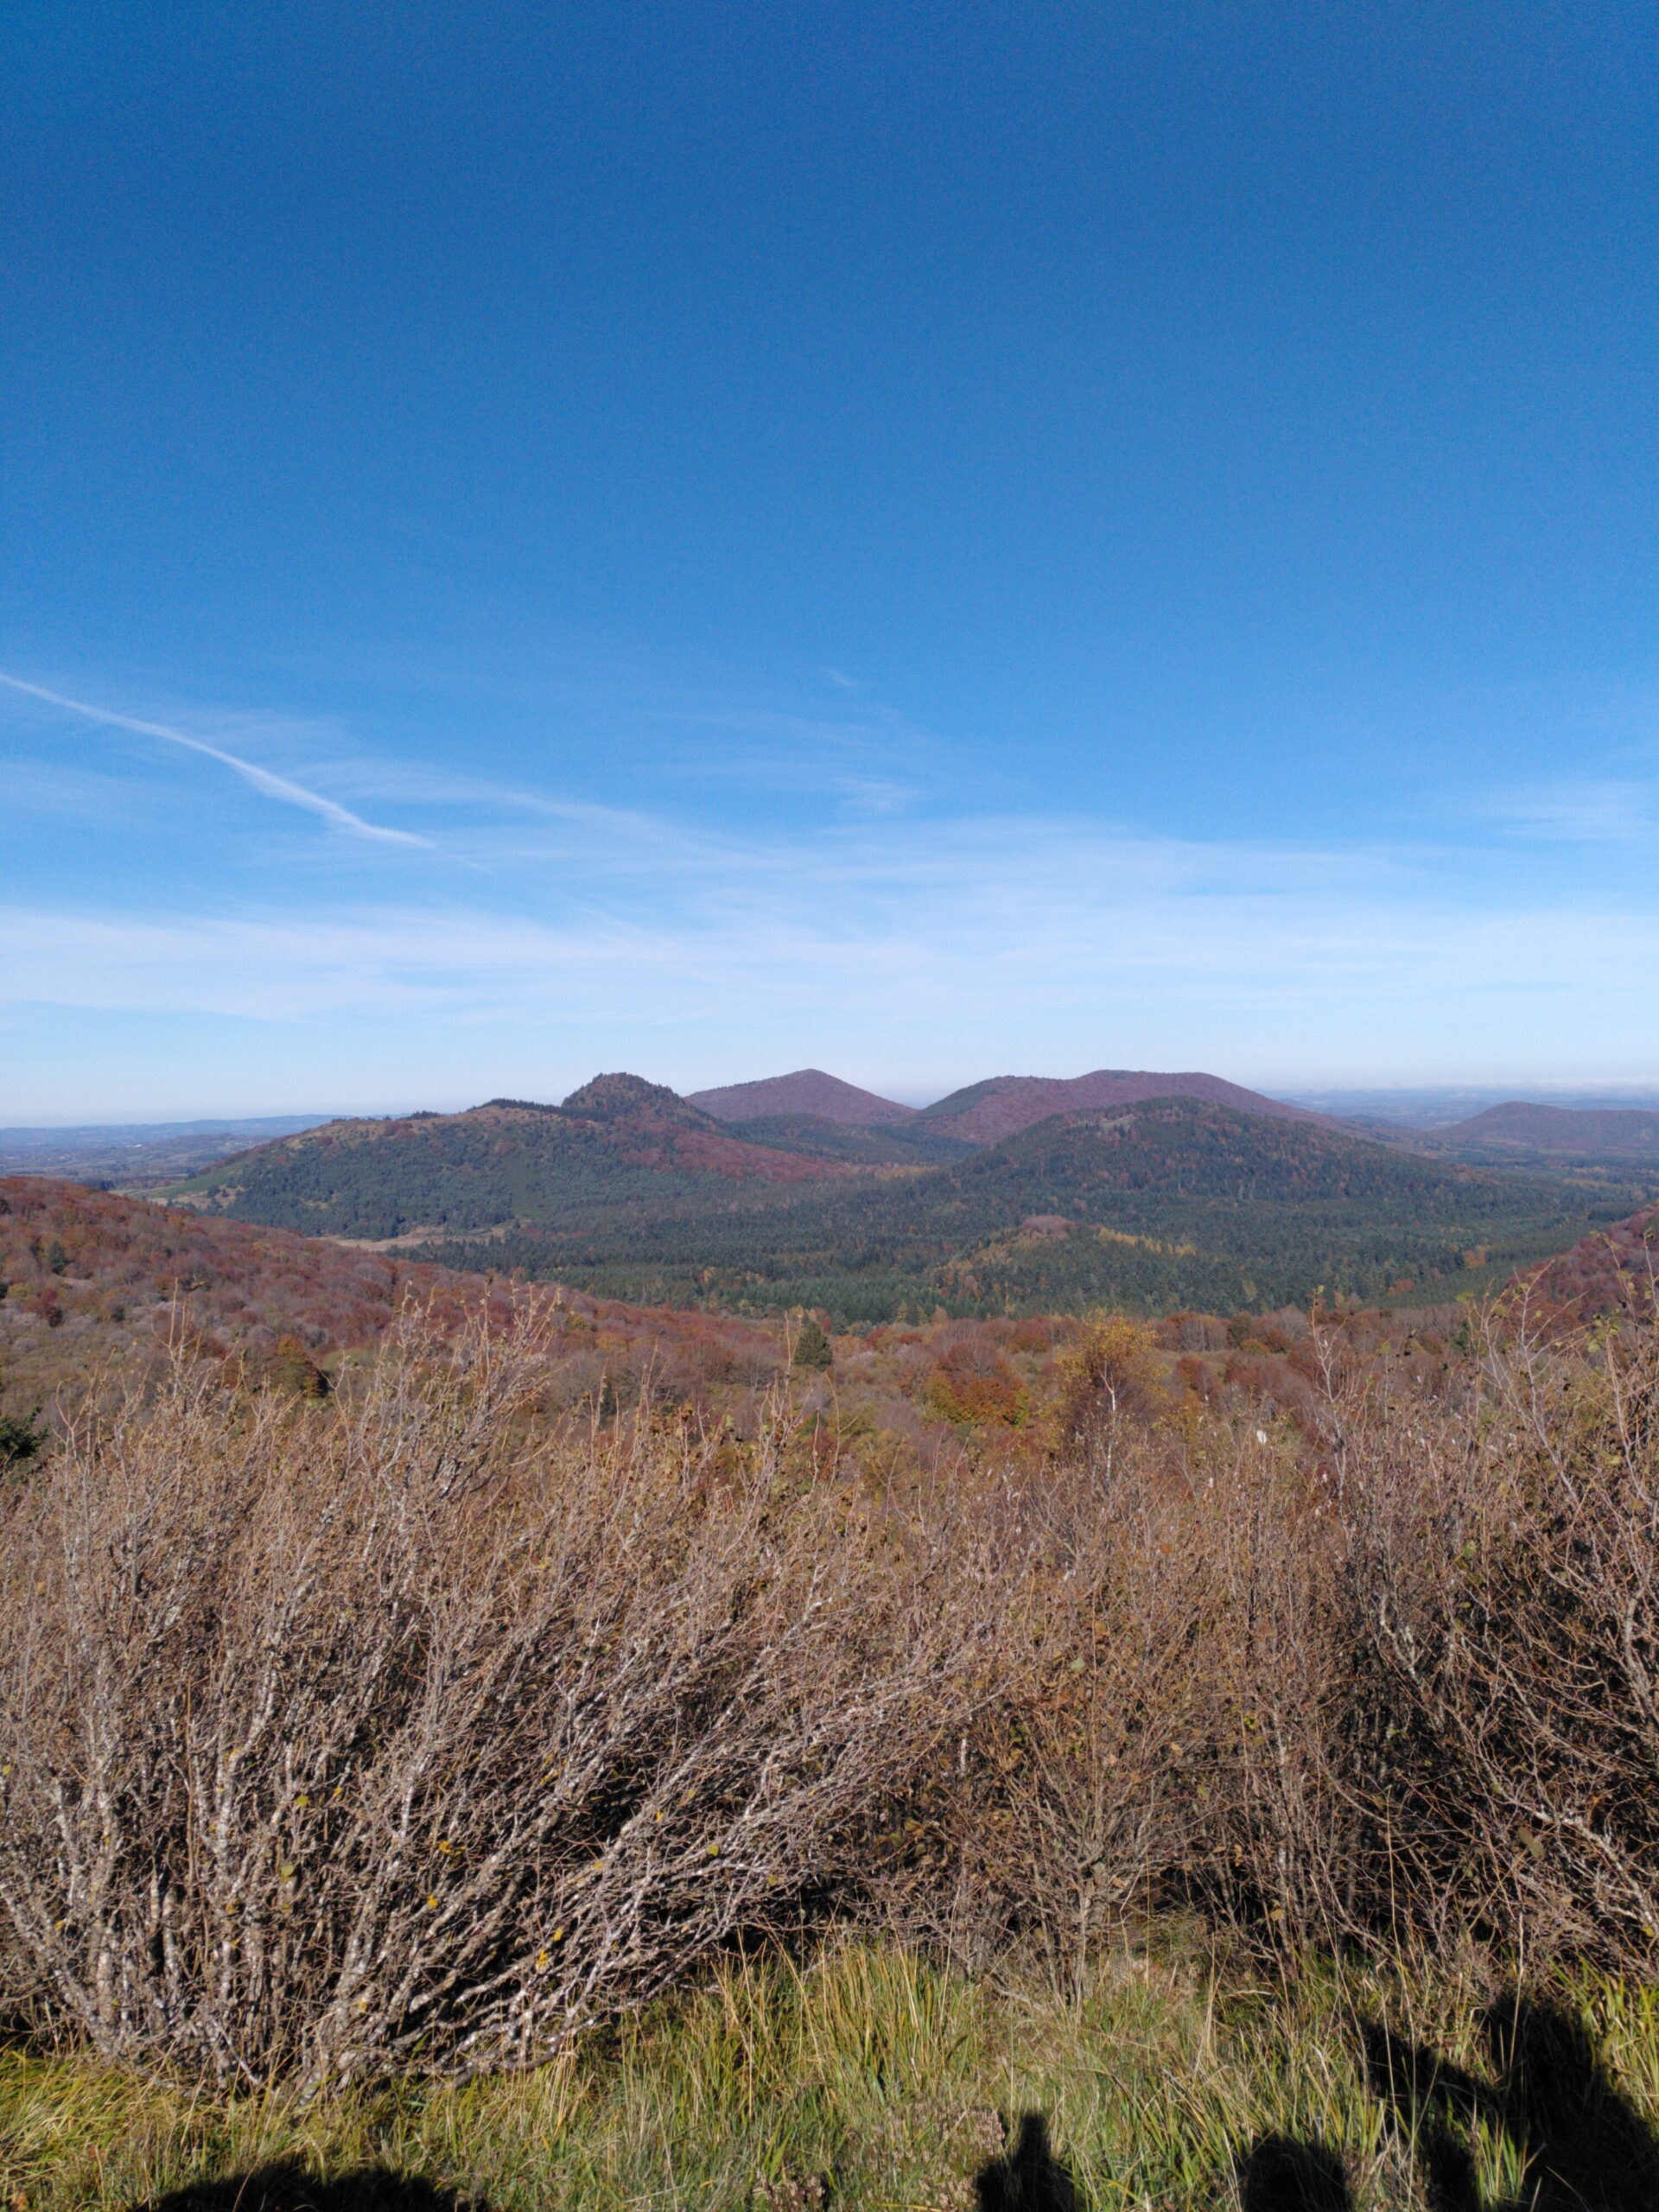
(1529, 1125)
(1001, 1106)
(616, 1141)
(805, 1091)
(632, 1192)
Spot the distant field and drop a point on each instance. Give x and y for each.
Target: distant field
(138, 1153)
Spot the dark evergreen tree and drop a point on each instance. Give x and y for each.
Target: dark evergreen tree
(811, 1346)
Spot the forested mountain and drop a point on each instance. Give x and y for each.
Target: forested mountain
(983, 1113)
(629, 1191)
(1560, 1132)
(1002, 1106)
(1171, 1203)
(614, 1145)
(809, 1091)
(896, 1144)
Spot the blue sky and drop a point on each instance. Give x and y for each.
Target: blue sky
(927, 541)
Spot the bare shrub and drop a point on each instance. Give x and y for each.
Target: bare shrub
(382, 1733)
(1174, 1739)
(1397, 1683)
(1505, 1580)
(1085, 1769)
(418, 1726)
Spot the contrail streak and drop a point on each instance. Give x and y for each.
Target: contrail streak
(339, 818)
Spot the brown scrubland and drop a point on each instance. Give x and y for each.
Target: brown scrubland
(431, 1723)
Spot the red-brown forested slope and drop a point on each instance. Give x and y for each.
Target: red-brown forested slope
(1614, 1271)
(987, 1112)
(95, 1282)
(808, 1091)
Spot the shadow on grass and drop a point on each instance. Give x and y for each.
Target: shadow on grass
(1584, 2146)
(288, 2187)
(1277, 2174)
(1274, 2174)
(1028, 2177)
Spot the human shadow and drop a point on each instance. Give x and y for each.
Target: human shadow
(288, 2187)
(1278, 2174)
(1028, 2177)
(1584, 2146)
(1433, 2105)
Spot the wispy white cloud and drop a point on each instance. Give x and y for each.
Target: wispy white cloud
(870, 755)
(1602, 810)
(860, 927)
(993, 930)
(263, 779)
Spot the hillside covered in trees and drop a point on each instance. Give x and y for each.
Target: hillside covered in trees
(100, 1293)
(1172, 1204)
(617, 1144)
(97, 1288)
(1004, 1104)
(629, 1191)
(1613, 1270)
(1522, 1128)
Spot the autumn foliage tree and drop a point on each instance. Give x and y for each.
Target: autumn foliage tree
(1110, 1377)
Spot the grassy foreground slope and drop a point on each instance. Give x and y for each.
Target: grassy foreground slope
(873, 2079)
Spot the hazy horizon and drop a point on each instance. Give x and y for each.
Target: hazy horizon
(1405, 1101)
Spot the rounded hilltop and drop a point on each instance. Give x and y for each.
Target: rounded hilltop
(609, 1096)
